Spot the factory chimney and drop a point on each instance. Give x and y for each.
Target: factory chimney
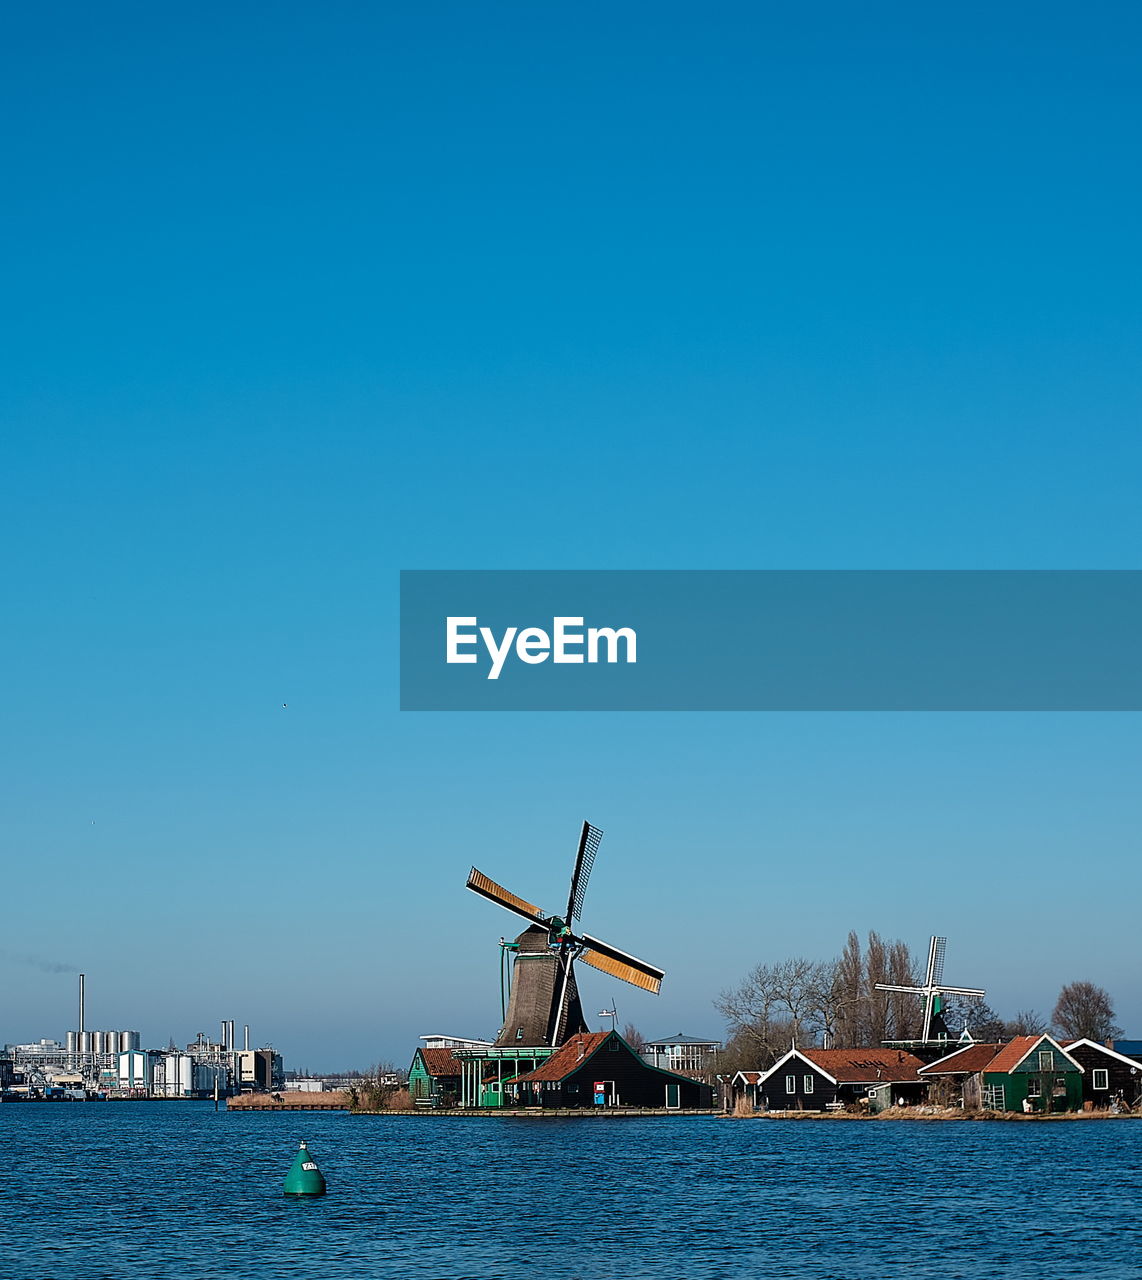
(81, 976)
(246, 1038)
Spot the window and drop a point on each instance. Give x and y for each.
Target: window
(1046, 1060)
(1034, 1086)
(790, 1084)
(613, 1046)
(808, 1082)
(1101, 1078)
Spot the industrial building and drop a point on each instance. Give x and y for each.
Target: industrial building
(114, 1063)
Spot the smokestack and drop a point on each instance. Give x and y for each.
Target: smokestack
(222, 1035)
(246, 1038)
(81, 1004)
(230, 1043)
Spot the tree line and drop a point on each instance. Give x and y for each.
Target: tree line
(835, 1002)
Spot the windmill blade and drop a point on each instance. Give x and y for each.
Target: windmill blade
(487, 888)
(977, 992)
(620, 969)
(601, 955)
(936, 961)
(584, 861)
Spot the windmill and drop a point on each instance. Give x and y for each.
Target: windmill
(934, 989)
(543, 1006)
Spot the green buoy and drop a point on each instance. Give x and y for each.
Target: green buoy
(304, 1177)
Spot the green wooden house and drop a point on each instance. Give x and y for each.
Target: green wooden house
(434, 1078)
(1032, 1073)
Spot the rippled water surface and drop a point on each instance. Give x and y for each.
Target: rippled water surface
(146, 1190)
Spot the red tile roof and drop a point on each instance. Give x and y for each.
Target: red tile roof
(440, 1062)
(866, 1066)
(568, 1058)
(1012, 1053)
(966, 1061)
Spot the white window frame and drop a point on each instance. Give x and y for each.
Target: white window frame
(808, 1083)
(1100, 1078)
(790, 1084)
(1046, 1060)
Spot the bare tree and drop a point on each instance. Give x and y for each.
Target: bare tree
(743, 1052)
(848, 1005)
(1027, 1022)
(779, 1002)
(858, 1014)
(876, 970)
(798, 1000)
(905, 1013)
(1084, 1011)
(634, 1037)
(978, 1017)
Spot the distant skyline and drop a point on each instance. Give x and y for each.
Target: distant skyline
(294, 305)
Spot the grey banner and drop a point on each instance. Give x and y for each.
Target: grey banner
(741, 640)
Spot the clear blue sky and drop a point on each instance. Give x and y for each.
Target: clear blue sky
(299, 297)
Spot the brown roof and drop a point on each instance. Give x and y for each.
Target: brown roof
(965, 1061)
(568, 1058)
(1012, 1053)
(440, 1062)
(866, 1066)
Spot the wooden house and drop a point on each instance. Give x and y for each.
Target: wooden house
(1035, 1070)
(824, 1079)
(599, 1069)
(434, 1078)
(1108, 1076)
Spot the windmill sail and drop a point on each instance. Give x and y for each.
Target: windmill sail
(934, 990)
(487, 888)
(584, 860)
(637, 977)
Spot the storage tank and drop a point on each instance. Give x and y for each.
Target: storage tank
(180, 1074)
(85, 1042)
(134, 1070)
(73, 1042)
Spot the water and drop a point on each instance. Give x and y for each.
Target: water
(104, 1191)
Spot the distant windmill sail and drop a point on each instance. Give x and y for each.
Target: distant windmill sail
(934, 988)
(544, 1006)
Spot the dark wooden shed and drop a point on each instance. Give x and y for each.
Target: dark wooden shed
(817, 1079)
(599, 1069)
(1107, 1074)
